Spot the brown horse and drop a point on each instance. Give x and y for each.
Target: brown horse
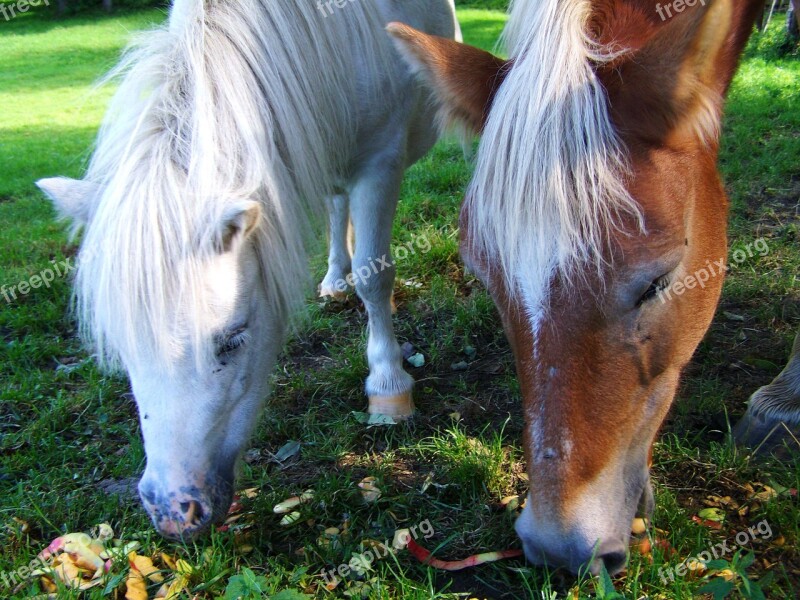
(597, 220)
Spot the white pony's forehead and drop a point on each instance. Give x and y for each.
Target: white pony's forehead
(223, 284)
(158, 308)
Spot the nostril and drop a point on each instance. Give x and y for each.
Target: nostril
(192, 512)
(147, 494)
(614, 561)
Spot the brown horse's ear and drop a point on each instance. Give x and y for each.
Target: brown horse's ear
(673, 67)
(464, 79)
(626, 25)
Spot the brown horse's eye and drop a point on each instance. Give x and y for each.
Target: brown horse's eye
(656, 287)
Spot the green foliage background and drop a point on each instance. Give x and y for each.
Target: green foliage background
(491, 4)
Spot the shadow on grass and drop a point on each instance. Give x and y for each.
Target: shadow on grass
(44, 19)
(30, 153)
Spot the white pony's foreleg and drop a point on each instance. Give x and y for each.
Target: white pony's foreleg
(335, 282)
(373, 201)
(772, 420)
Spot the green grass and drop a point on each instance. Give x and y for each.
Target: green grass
(66, 430)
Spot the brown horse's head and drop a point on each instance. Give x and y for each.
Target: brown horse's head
(597, 220)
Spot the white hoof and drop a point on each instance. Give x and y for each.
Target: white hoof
(332, 294)
(399, 407)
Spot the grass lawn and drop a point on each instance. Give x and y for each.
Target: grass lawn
(69, 439)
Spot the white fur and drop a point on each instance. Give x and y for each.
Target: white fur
(230, 127)
(205, 117)
(780, 400)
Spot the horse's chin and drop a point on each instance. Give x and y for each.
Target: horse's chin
(647, 502)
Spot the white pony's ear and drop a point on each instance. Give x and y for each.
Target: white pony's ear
(238, 224)
(73, 198)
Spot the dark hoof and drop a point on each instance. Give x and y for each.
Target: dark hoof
(767, 435)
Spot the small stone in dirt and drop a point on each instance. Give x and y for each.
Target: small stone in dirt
(288, 450)
(459, 366)
(416, 360)
(408, 350)
(252, 455)
(733, 316)
(125, 488)
(470, 351)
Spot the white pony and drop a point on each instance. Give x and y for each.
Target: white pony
(231, 127)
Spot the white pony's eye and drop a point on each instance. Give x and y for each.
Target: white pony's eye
(231, 341)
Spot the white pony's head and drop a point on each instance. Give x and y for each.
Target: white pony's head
(199, 369)
(194, 213)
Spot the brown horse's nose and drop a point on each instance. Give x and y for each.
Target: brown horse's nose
(613, 558)
(581, 550)
(579, 558)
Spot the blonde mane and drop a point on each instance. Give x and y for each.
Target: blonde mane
(549, 189)
(230, 101)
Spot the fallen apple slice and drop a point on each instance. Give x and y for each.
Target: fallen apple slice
(290, 519)
(290, 504)
(58, 544)
(424, 556)
(370, 490)
(716, 525)
(639, 526)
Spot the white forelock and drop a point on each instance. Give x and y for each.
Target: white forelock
(549, 189)
(232, 101)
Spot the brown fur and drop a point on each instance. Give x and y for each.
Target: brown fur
(670, 90)
(466, 78)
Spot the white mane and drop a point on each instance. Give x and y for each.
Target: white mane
(549, 187)
(232, 101)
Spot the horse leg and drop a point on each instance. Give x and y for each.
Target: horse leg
(373, 201)
(335, 282)
(772, 420)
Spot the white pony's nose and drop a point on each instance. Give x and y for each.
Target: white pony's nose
(182, 516)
